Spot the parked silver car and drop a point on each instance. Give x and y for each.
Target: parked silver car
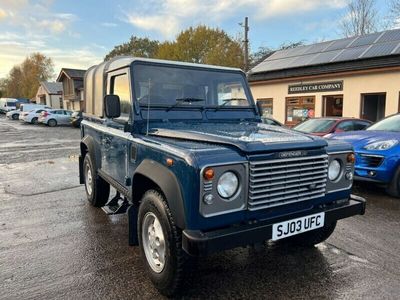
(55, 117)
(13, 114)
(32, 116)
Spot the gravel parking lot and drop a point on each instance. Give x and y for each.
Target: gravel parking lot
(54, 245)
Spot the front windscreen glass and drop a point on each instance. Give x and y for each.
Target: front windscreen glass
(390, 124)
(315, 125)
(169, 86)
(11, 103)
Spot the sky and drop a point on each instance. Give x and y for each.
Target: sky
(79, 33)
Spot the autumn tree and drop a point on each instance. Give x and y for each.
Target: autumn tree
(394, 12)
(139, 47)
(23, 80)
(203, 45)
(360, 19)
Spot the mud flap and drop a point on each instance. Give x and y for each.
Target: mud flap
(132, 221)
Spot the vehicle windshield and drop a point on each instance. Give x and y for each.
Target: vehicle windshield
(314, 125)
(169, 86)
(389, 124)
(11, 103)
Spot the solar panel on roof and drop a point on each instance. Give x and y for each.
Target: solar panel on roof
(371, 45)
(351, 53)
(381, 49)
(324, 57)
(391, 35)
(397, 50)
(278, 55)
(318, 47)
(340, 44)
(301, 60)
(366, 39)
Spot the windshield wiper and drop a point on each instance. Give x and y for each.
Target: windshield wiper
(226, 101)
(184, 100)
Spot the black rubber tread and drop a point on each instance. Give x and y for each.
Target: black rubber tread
(394, 186)
(101, 188)
(313, 237)
(54, 124)
(170, 280)
(34, 120)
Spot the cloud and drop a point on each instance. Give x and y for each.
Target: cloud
(32, 26)
(168, 17)
(14, 52)
(278, 8)
(109, 24)
(168, 26)
(3, 14)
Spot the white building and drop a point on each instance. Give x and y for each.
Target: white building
(50, 94)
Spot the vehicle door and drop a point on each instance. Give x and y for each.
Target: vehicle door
(67, 117)
(115, 142)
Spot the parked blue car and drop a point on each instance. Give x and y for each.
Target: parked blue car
(377, 153)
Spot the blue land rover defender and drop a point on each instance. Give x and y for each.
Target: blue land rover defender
(186, 150)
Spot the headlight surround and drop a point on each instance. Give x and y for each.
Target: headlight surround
(334, 170)
(381, 145)
(228, 184)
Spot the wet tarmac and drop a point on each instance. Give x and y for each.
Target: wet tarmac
(53, 245)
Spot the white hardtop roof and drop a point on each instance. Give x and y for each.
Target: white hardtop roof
(124, 61)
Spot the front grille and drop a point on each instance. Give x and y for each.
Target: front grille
(283, 181)
(371, 161)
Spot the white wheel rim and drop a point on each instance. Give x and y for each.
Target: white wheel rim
(153, 242)
(89, 180)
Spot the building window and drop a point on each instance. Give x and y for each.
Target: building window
(299, 109)
(332, 106)
(265, 105)
(373, 106)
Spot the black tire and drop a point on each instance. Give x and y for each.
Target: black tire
(35, 121)
(52, 123)
(169, 280)
(97, 189)
(393, 188)
(313, 237)
(15, 116)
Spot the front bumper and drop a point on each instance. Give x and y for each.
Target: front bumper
(198, 243)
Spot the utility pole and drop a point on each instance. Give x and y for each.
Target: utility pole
(246, 44)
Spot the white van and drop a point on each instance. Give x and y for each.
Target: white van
(31, 106)
(7, 104)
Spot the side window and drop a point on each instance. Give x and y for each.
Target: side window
(120, 87)
(345, 126)
(360, 125)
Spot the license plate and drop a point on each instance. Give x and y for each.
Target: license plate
(295, 226)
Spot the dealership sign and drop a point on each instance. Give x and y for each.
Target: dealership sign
(316, 87)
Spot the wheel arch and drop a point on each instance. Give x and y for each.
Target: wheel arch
(153, 175)
(88, 145)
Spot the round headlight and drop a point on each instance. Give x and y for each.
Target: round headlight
(228, 184)
(334, 170)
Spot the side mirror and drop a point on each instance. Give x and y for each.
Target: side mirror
(112, 106)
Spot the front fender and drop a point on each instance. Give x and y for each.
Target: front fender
(168, 184)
